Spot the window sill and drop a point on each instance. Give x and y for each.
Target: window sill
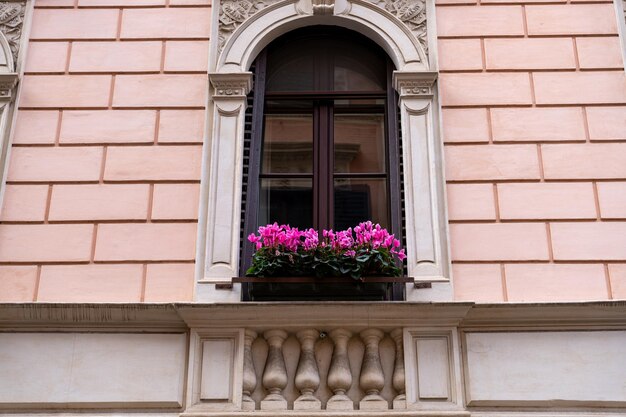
(371, 288)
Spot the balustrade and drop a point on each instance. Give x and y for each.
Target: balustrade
(249, 373)
(339, 390)
(307, 375)
(372, 377)
(275, 373)
(398, 380)
(339, 375)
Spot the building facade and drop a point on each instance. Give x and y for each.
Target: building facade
(142, 140)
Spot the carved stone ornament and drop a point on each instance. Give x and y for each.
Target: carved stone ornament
(11, 23)
(233, 13)
(412, 13)
(322, 7)
(414, 84)
(7, 84)
(231, 85)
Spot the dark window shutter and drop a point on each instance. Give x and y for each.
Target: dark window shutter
(247, 140)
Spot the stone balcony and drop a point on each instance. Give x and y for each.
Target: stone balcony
(312, 359)
(317, 358)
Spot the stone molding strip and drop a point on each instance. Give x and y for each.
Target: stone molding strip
(412, 13)
(293, 315)
(326, 413)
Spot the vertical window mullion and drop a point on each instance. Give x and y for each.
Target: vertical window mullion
(324, 174)
(330, 157)
(316, 166)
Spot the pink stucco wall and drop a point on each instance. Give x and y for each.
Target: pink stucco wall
(103, 181)
(534, 121)
(102, 201)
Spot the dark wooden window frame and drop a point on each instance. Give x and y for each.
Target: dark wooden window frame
(322, 175)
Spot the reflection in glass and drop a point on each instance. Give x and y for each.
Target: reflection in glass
(286, 201)
(290, 71)
(325, 60)
(352, 103)
(358, 200)
(359, 143)
(288, 143)
(358, 70)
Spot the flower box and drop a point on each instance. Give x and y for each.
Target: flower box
(370, 288)
(289, 264)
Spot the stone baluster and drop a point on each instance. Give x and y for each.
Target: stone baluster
(399, 402)
(275, 373)
(307, 375)
(340, 376)
(372, 378)
(249, 373)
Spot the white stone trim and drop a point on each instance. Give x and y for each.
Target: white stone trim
(503, 338)
(620, 13)
(418, 370)
(225, 174)
(427, 254)
(580, 368)
(248, 39)
(89, 370)
(9, 100)
(197, 366)
(230, 59)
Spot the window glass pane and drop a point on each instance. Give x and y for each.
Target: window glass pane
(358, 200)
(288, 143)
(358, 69)
(289, 72)
(325, 59)
(346, 105)
(359, 141)
(286, 201)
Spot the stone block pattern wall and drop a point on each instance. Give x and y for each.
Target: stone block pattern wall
(103, 181)
(534, 124)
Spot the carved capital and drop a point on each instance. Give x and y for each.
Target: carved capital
(231, 86)
(7, 84)
(323, 7)
(414, 84)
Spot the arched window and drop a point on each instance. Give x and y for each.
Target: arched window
(324, 148)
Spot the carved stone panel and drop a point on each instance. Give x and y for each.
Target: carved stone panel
(412, 13)
(11, 24)
(233, 13)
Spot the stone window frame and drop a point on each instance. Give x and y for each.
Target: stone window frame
(405, 30)
(322, 211)
(620, 13)
(15, 18)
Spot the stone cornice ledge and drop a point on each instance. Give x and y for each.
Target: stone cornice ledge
(88, 315)
(556, 315)
(324, 314)
(292, 315)
(326, 413)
